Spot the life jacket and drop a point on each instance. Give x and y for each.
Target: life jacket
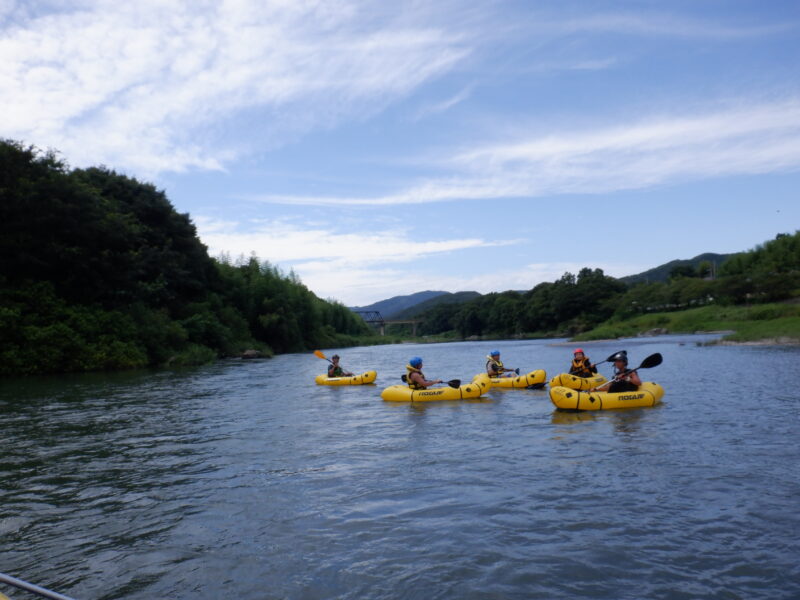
(494, 365)
(337, 371)
(581, 367)
(411, 383)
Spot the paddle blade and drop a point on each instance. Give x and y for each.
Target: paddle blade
(652, 361)
(454, 383)
(319, 354)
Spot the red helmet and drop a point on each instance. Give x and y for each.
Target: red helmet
(578, 350)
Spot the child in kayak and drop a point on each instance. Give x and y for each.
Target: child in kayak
(334, 370)
(495, 368)
(581, 365)
(415, 378)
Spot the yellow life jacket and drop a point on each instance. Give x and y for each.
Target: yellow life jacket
(411, 383)
(497, 364)
(580, 367)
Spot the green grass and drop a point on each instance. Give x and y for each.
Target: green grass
(749, 323)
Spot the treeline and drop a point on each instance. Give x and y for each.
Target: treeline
(98, 271)
(577, 303)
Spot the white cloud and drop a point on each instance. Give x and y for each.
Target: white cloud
(444, 105)
(760, 138)
(153, 85)
(360, 268)
(320, 248)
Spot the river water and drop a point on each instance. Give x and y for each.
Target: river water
(244, 480)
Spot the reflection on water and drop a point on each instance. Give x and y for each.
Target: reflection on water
(236, 481)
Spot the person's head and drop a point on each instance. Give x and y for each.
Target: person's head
(578, 353)
(335, 358)
(415, 362)
(495, 353)
(620, 360)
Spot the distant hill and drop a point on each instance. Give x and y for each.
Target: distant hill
(392, 306)
(661, 273)
(446, 298)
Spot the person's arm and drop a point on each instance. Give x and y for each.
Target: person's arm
(330, 370)
(634, 378)
(416, 377)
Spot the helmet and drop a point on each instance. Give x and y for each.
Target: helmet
(334, 357)
(623, 356)
(578, 350)
(415, 362)
(494, 353)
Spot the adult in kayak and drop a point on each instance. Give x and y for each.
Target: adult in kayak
(624, 380)
(334, 370)
(415, 378)
(494, 366)
(581, 365)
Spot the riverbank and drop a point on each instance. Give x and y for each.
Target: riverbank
(762, 324)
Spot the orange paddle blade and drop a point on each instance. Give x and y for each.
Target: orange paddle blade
(319, 354)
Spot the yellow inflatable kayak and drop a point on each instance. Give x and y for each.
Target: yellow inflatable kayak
(368, 377)
(532, 379)
(577, 383)
(648, 394)
(403, 393)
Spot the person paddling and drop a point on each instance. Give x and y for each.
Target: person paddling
(415, 377)
(624, 380)
(494, 366)
(334, 370)
(581, 365)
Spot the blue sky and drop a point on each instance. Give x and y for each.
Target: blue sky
(384, 148)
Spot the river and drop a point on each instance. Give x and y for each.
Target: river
(244, 480)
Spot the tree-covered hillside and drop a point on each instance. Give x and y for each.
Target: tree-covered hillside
(391, 307)
(577, 303)
(709, 262)
(98, 271)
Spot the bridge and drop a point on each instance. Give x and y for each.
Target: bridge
(374, 318)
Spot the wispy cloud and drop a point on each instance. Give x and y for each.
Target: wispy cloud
(359, 268)
(760, 138)
(444, 105)
(323, 248)
(153, 85)
(655, 23)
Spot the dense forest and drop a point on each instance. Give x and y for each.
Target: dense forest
(577, 303)
(98, 271)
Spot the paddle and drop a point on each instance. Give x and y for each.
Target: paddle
(453, 383)
(319, 354)
(506, 371)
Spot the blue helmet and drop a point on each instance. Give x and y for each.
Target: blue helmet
(415, 362)
(494, 353)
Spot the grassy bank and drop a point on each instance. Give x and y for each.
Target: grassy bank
(763, 322)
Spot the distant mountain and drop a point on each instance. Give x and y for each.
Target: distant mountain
(446, 298)
(661, 273)
(390, 307)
